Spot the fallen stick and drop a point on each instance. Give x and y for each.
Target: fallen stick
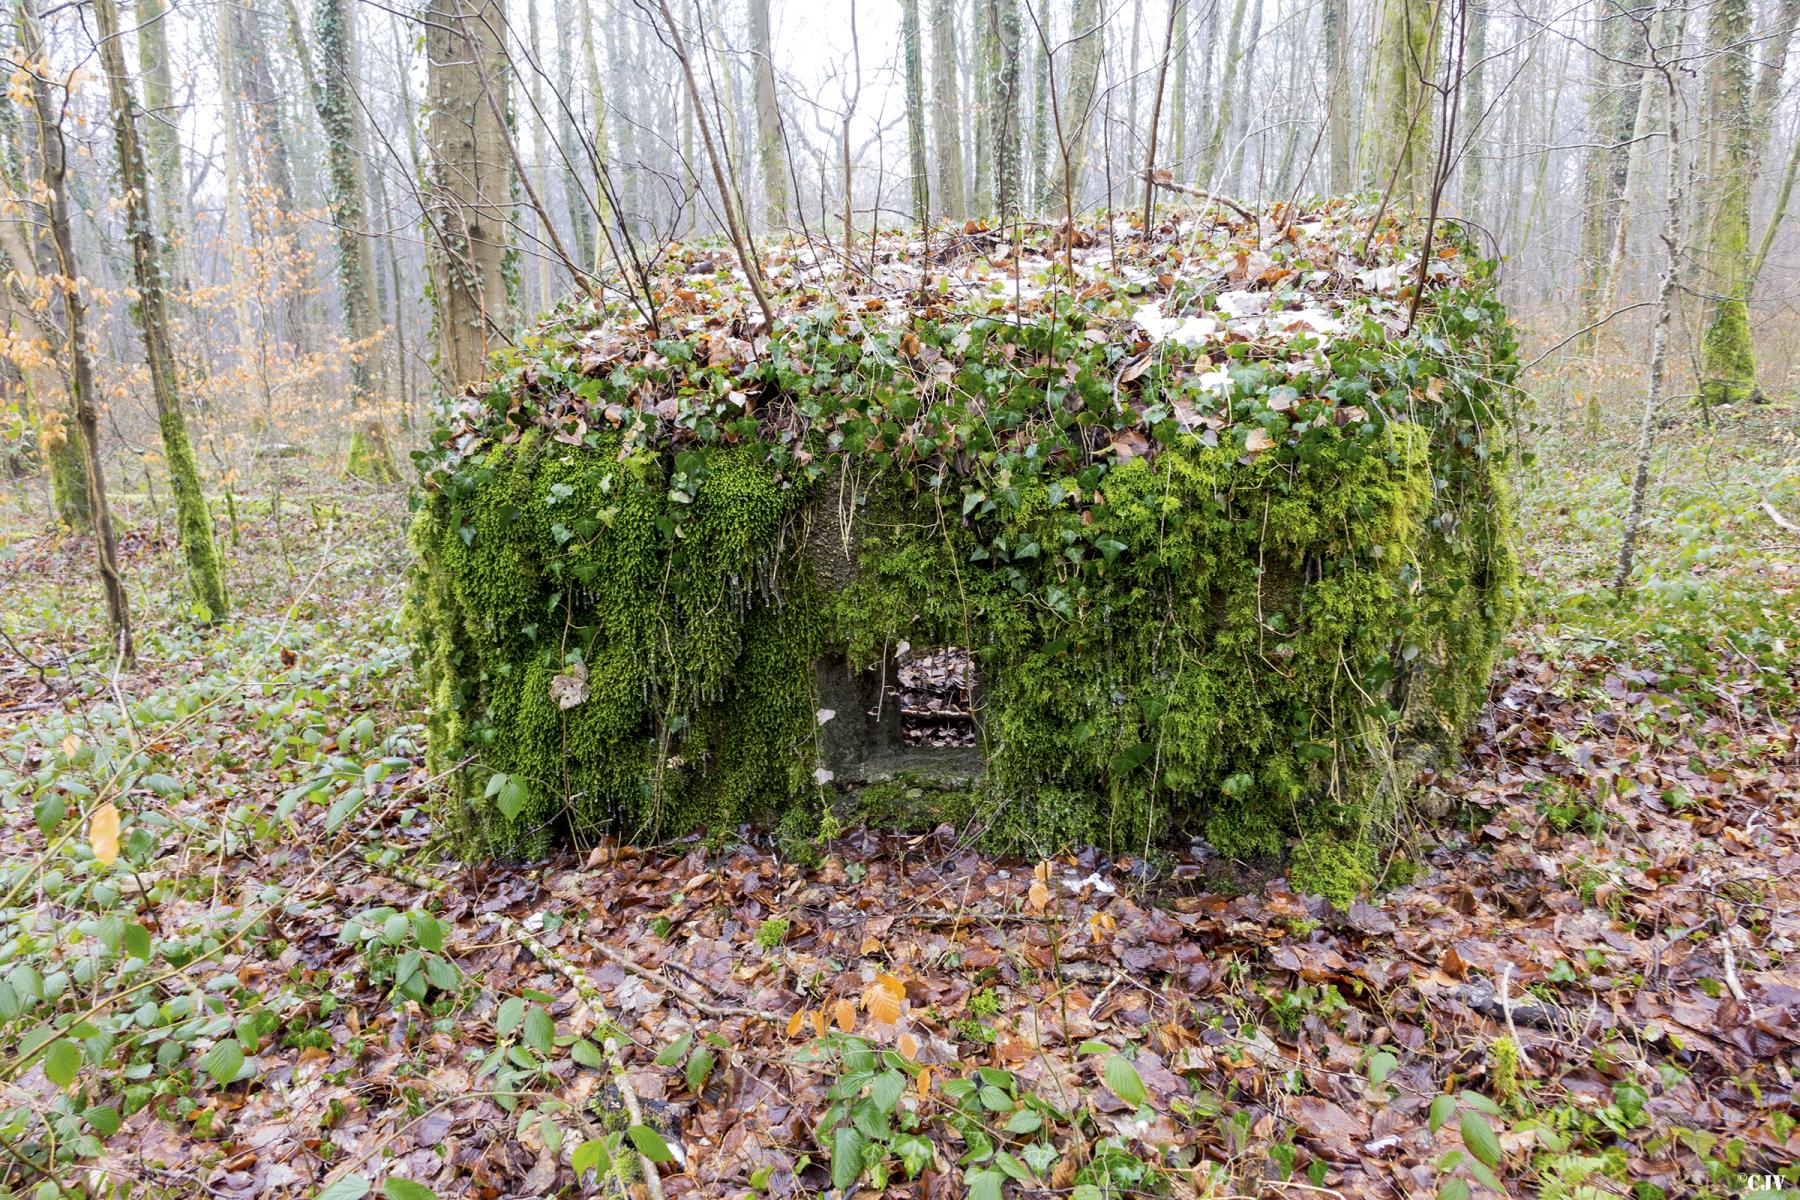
(1781, 522)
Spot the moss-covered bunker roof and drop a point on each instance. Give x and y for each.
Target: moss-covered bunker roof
(982, 338)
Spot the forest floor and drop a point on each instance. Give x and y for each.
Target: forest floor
(284, 987)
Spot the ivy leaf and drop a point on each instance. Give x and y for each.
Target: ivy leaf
(591, 1155)
(985, 1185)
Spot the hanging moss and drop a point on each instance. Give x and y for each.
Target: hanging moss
(1254, 626)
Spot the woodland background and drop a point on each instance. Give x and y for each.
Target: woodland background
(248, 246)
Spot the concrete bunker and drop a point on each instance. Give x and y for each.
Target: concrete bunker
(1215, 513)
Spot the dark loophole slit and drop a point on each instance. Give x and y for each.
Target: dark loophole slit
(937, 692)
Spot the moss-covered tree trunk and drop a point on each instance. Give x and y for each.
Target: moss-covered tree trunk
(1209, 162)
(341, 116)
(1607, 167)
(1727, 351)
(1063, 184)
(946, 112)
(53, 159)
(26, 251)
(1337, 95)
(1397, 136)
(205, 573)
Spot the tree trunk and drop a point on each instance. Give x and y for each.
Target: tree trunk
(769, 157)
(1241, 109)
(540, 167)
(983, 59)
(1003, 111)
(1178, 87)
(575, 194)
(1727, 351)
(470, 189)
(205, 575)
(1672, 238)
(1227, 89)
(256, 85)
(26, 252)
(917, 159)
(1398, 135)
(1040, 171)
(1337, 96)
(1088, 35)
(1474, 108)
(162, 140)
(1608, 161)
(341, 116)
(53, 156)
(946, 111)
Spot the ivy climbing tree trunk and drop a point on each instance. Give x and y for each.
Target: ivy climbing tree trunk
(370, 456)
(205, 573)
(470, 187)
(1727, 351)
(946, 112)
(54, 162)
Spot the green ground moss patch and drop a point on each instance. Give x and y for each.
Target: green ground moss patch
(1235, 564)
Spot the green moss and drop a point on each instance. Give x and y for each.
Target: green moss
(1257, 648)
(1728, 355)
(68, 475)
(1503, 1067)
(206, 576)
(369, 458)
